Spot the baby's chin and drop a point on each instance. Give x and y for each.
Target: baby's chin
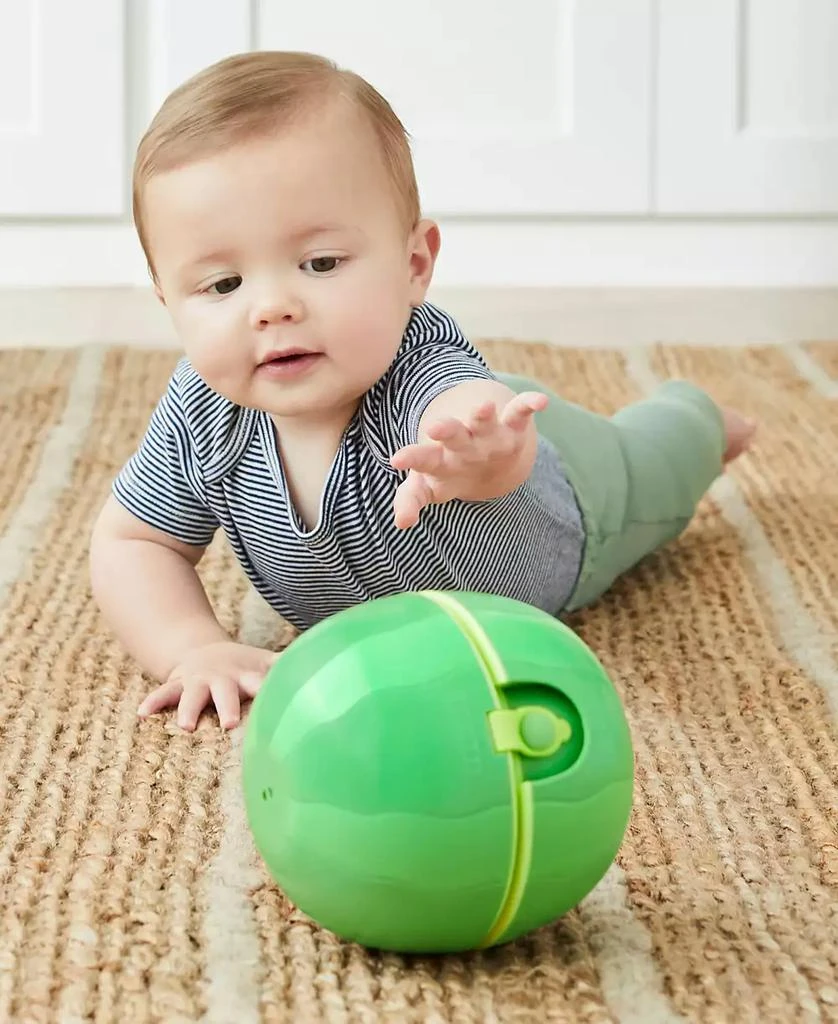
(318, 391)
(314, 408)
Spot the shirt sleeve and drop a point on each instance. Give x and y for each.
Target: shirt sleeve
(422, 374)
(162, 484)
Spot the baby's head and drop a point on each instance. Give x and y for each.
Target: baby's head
(275, 200)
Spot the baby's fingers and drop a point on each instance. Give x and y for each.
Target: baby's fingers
(225, 695)
(518, 411)
(484, 420)
(411, 497)
(251, 682)
(453, 433)
(422, 458)
(165, 696)
(195, 698)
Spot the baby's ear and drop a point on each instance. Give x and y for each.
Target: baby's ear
(424, 248)
(155, 284)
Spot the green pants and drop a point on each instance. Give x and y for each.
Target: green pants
(638, 475)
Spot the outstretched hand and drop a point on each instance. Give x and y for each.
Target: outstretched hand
(474, 459)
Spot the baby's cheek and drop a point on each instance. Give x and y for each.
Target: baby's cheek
(218, 353)
(374, 344)
(377, 320)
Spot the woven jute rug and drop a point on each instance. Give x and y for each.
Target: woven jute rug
(129, 886)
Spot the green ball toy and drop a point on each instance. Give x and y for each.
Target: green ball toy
(437, 771)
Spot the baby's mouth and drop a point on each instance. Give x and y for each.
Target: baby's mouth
(284, 364)
(287, 359)
(286, 355)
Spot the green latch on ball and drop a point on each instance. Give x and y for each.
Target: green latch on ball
(532, 731)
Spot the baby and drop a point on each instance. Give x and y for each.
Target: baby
(339, 428)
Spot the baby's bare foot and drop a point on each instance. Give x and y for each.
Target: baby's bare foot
(738, 433)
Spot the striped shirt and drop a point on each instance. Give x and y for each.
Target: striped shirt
(206, 463)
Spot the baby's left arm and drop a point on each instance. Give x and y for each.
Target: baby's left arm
(477, 441)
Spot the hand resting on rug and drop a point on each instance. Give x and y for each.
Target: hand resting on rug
(218, 673)
(147, 586)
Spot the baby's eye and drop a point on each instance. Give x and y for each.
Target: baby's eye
(225, 285)
(322, 264)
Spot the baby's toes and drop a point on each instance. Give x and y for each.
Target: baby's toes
(739, 432)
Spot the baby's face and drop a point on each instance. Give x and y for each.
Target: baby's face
(293, 241)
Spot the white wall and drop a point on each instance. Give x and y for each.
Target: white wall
(698, 142)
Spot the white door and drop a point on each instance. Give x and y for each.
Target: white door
(747, 107)
(534, 107)
(62, 145)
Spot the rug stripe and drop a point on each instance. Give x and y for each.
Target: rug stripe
(801, 636)
(797, 631)
(810, 370)
(24, 531)
(233, 968)
(757, 918)
(771, 773)
(789, 479)
(52, 475)
(33, 397)
(27, 762)
(825, 354)
(54, 471)
(632, 985)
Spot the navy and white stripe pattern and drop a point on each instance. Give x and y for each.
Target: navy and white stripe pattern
(206, 463)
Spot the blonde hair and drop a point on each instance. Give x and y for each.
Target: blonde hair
(251, 94)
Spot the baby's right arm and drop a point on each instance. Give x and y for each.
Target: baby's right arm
(148, 590)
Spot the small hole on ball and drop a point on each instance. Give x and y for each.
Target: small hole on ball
(267, 793)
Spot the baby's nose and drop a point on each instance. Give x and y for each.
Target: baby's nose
(275, 309)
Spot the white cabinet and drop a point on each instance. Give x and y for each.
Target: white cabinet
(185, 36)
(537, 108)
(560, 142)
(534, 107)
(747, 107)
(571, 107)
(62, 114)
